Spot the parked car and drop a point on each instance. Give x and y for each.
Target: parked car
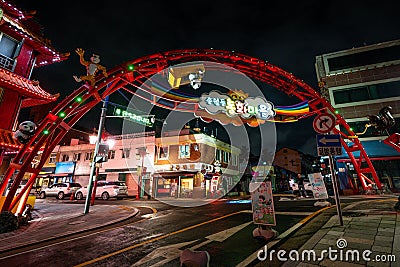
(59, 190)
(19, 189)
(106, 190)
(17, 192)
(307, 187)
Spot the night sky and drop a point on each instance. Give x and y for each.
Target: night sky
(288, 34)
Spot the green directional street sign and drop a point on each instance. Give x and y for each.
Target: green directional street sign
(144, 120)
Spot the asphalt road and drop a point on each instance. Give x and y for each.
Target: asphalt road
(223, 228)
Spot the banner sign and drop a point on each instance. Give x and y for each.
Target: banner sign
(262, 203)
(318, 186)
(237, 103)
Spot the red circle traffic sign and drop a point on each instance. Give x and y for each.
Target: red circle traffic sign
(324, 123)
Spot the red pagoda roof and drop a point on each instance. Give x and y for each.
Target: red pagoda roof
(34, 94)
(7, 140)
(20, 23)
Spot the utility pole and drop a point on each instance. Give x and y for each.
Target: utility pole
(93, 178)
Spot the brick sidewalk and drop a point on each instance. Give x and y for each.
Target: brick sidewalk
(368, 225)
(51, 221)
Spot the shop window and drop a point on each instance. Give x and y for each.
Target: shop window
(163, 153)
(184, 151)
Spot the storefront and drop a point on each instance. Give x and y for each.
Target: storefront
(175, 184)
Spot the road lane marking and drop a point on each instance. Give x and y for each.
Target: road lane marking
(253, 257)
(171, 252)
(156, 239)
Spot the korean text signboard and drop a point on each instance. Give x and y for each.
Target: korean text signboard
(237, 104)
(262, 203)
(318, 186)
(329, 145)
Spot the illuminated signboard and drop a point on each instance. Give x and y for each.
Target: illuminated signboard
(145, 120)
(237, 103)
(65, 167)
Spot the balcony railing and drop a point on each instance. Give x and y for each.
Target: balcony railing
(7, 63)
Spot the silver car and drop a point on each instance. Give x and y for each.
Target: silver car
(59, 190)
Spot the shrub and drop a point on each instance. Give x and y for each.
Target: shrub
(8, 222)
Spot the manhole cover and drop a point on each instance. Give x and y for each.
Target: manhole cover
(76, 222)
(352, 214)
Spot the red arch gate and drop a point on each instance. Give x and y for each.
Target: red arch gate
(53, 127)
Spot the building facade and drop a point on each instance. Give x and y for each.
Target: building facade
(130, 159)
(191, 164)
(22, 49)
(360, 82)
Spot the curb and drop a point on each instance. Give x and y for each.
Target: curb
(134, 214)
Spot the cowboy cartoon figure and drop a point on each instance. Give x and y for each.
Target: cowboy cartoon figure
(92, 67)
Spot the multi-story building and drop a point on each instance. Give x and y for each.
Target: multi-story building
(193, 164)
(22, 48)
(359, 82)
(130, 156)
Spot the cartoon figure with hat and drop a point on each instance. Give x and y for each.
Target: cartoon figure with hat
(92, 67)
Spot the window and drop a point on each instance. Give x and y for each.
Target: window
(184, 151)
(125, 153)
(364, 58)
(122, 177)
(163, 152)
(111, 154)
(102, 177)
(88, 155)
(9, 49)
(77, 156)
(218, 154)
(65, 157)
(226, 156)
(367, 92)
(234, 160)
(52, 158)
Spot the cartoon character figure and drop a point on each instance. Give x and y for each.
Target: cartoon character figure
(25, 132)
(92, 67)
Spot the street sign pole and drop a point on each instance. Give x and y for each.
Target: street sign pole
(335, 190)
(93, 178)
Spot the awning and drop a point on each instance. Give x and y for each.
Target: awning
(63, 174)
(174, 174)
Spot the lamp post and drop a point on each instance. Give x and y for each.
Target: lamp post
(92, 178)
